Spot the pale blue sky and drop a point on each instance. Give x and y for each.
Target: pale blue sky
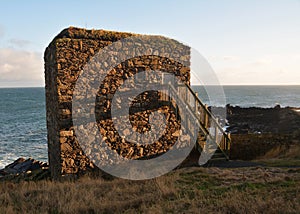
(245, 41)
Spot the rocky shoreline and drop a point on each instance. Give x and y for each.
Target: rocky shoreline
(256, 120)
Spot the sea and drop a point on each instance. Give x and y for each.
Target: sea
(23, 130)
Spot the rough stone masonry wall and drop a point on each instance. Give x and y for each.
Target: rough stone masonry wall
(64, 59)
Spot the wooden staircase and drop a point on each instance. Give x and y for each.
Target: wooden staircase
(213, 143)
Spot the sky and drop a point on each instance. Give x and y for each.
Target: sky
(247, 42)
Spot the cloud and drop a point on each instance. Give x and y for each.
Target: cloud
(20, 68)
(262, 62)
(19, 42)
(269, 69)
(224, 58)
(230, 58)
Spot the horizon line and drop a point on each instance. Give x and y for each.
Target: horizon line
(8, 87)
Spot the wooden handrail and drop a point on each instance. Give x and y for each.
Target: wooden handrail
(214, 121)
(206, 110)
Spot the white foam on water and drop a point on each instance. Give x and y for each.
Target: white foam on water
(297, 111)
(6, 159)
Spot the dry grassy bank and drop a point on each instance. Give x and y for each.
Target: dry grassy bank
(188, 190)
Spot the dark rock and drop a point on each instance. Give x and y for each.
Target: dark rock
(264, 120)
(25, 169)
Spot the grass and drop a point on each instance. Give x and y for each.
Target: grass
(282, 157)
(280, 162)
(187, 190)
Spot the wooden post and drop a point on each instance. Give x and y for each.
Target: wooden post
(228, 142)
(202, 115)
(216, 130)
(206, 117)
(196, 104)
